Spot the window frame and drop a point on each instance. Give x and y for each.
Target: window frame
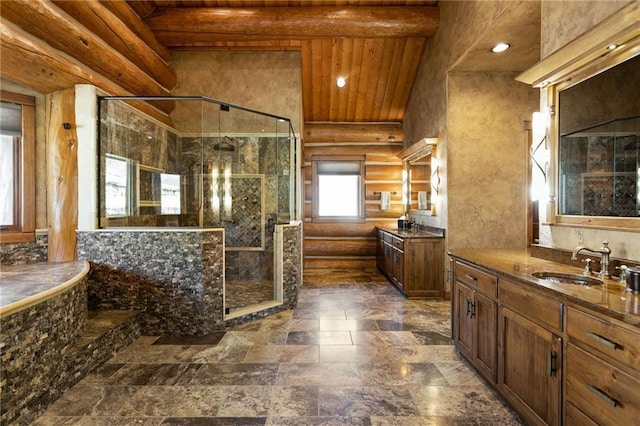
(315, 217)
(24, 155)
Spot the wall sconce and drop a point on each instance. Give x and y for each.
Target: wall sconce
(540, 155)
(435, 181)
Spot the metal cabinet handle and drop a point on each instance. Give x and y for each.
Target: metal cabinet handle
(473, 310)
(612, 402)
(470, 277)
(608, 343)
(551, 362)
(468, 307)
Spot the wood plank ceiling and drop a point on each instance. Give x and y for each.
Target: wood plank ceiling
(376, 45)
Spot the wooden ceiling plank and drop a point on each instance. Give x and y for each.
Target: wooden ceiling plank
(346, 61)
(411, 60)
(368, 55)
(356, 78)
(296, 22)
(316, 73)
(383, 78)
(335, 97)
(392, 82)
(371, 111)
(325, 78)
(307, 79)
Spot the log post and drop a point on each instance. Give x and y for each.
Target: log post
(62, 175)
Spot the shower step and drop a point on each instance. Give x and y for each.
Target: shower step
(105, 334)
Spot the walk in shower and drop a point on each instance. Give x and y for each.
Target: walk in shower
(209, 164)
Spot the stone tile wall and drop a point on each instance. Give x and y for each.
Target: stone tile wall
(174, 278)
(21, 253)
(33, 347)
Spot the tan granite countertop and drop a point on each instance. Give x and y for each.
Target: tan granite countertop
(610, 298)
(411, 233)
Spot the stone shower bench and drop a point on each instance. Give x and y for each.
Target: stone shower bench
(49, 340)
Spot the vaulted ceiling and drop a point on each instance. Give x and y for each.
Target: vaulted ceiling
(376, 45)
(125, 48)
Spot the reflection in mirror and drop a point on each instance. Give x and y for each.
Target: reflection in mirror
(599, 152)
(599, 170)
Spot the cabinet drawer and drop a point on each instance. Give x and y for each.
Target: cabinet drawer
(604, 336)
(603, 392)
(575, 417)
(398, 243)
(538, 308)
(478, 280)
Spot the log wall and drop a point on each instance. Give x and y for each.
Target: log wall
(344, 244)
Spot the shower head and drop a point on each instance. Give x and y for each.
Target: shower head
(224, 145)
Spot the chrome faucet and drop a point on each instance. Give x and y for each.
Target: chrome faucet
(604, 252)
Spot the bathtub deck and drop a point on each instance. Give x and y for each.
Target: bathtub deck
(20, 282)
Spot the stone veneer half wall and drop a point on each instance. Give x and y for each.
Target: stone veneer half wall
(34, 343)
(174, 277)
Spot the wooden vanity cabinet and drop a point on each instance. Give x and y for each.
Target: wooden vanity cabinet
(530, 353)
(475, 317)
(414, 264)
(602, 370)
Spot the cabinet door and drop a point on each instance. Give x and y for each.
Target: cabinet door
(398, 267)
(465, 324)
(485, 313)
(529, 368)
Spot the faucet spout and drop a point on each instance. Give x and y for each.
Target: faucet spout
(604, 251)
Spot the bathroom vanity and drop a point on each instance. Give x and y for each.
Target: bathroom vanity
(412, 260)
(560, 353)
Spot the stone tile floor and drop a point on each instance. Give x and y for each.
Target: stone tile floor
(354, 352)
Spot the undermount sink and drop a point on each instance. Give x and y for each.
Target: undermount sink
(560, 278)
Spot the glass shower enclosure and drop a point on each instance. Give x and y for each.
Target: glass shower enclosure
(209, 164)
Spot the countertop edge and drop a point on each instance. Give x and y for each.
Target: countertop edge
(524, 277)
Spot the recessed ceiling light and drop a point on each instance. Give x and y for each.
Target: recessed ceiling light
(340, 82)
(612, 46)
(500, 47)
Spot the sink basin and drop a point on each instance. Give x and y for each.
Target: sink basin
(560, 278)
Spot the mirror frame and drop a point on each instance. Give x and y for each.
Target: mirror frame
(577, 61)
(424, 148)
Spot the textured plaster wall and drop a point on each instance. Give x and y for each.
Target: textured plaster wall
(487, 159)
(478, 117)
(461, 25)
(562, 22)
(265, 81)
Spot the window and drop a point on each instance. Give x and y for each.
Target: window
(338, 188)
(17, 167)
(169, 193)
(117, 198)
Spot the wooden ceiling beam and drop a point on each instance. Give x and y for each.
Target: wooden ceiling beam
(35, 64)
(189, 26)
(45, 21)
(102, 22)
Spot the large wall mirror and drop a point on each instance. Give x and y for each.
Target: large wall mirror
(599, 144)
(592, 86)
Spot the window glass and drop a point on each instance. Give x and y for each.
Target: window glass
(169, 193)
(117, 186)
(7, 181)
(338, 188)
